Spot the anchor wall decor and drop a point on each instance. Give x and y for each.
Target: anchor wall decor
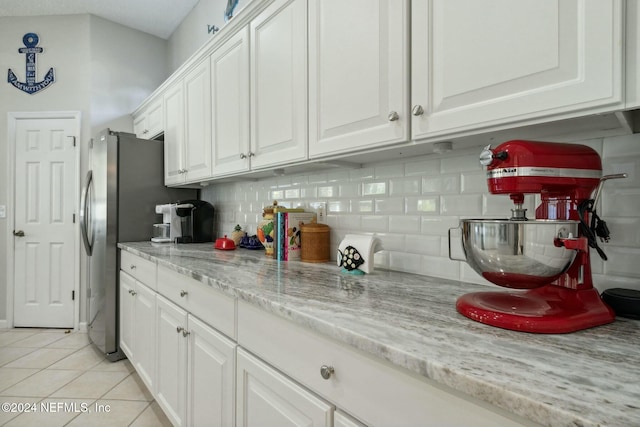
(30, 51)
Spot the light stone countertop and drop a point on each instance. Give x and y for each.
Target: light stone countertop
(586, 378)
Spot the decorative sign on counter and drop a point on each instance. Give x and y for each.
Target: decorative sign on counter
(31, 50)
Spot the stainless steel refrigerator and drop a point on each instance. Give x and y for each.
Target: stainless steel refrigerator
(124, 184)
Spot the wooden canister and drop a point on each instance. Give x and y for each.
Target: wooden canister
(314, 242)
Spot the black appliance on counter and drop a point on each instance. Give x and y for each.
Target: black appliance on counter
(196, 218)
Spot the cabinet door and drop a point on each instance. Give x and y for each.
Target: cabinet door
(126, 315)
(197, 86)
(211, 377)
(230, 105)
(266, 398)
(171, 354)
(475, 66)
(145, 334)
(140, 125)
(279, 84)
(155, 119)
(358, 74)
(174, 135)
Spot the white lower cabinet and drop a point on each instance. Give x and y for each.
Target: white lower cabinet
(196, 364)
(137, 327)
(266, 398)
(340, 419)
(171, 356)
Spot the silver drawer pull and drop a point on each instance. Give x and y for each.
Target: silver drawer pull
(185, 333)
(326, 371)
(132, 266)
(183, 293)
(134, 293)
(179, 329)
(393, 116)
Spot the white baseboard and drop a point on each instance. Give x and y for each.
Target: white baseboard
(4, 324)
(82, 327)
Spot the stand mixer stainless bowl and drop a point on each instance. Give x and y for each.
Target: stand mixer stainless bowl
(545, 260)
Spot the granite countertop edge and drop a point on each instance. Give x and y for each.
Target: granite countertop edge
(513, 398)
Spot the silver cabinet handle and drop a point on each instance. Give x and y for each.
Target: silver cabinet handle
(326, 371)
(183, 293)
(251, 154)
(132, 266)
(185, 332)
(133, 293)
(417, 110)
(179, 329)
(243, 156)
(130, 291)
(393, 116)
(145, 131)
(18, 233)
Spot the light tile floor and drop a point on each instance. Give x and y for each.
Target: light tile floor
(51, 378)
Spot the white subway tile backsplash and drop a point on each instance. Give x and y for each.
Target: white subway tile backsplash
(422, 205)
(467, 205)
(423, 245)
(327, 191)
(362, 206)
(438, 226)
(375, 223)
(422, 167)
(374, 188)
(389, 171)
(406, 224)
(349, 189)
(411, 204)
(339, 206)
(361, 174)
(338, 176)
(443, 184)
(404, 186)
(389, 205)
(473, 182)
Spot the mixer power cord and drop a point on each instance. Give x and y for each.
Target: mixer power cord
(597, 228)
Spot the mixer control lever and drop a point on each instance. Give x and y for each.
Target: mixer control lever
(487, 156)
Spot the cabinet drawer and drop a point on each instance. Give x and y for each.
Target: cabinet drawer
(370, 389)
(141, 269)
(209, 305)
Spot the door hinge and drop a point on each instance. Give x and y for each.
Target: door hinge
(74, 218)
(74, 139)
(73, 295)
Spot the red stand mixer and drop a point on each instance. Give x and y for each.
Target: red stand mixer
(547, 259)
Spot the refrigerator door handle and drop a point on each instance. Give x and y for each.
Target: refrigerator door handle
(84, 214)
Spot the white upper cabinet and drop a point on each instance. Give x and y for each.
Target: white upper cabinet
(174, 135)
(197, 86)
(358, 75)
(148, 123)
(187, 137)
(230, 105)
(478, 65)
(279, 84)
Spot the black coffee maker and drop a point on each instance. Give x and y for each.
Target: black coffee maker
(196, 220)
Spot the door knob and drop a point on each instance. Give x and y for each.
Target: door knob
(18, 233)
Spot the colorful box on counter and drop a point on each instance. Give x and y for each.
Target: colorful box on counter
(287, 236)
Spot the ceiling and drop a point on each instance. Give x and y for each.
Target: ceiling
(157, 17)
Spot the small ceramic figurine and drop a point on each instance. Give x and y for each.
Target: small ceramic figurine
(266, 230)
(237, 234)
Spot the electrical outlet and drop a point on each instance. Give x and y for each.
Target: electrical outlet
(320, 208)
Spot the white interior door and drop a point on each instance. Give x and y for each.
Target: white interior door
(45, 264)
